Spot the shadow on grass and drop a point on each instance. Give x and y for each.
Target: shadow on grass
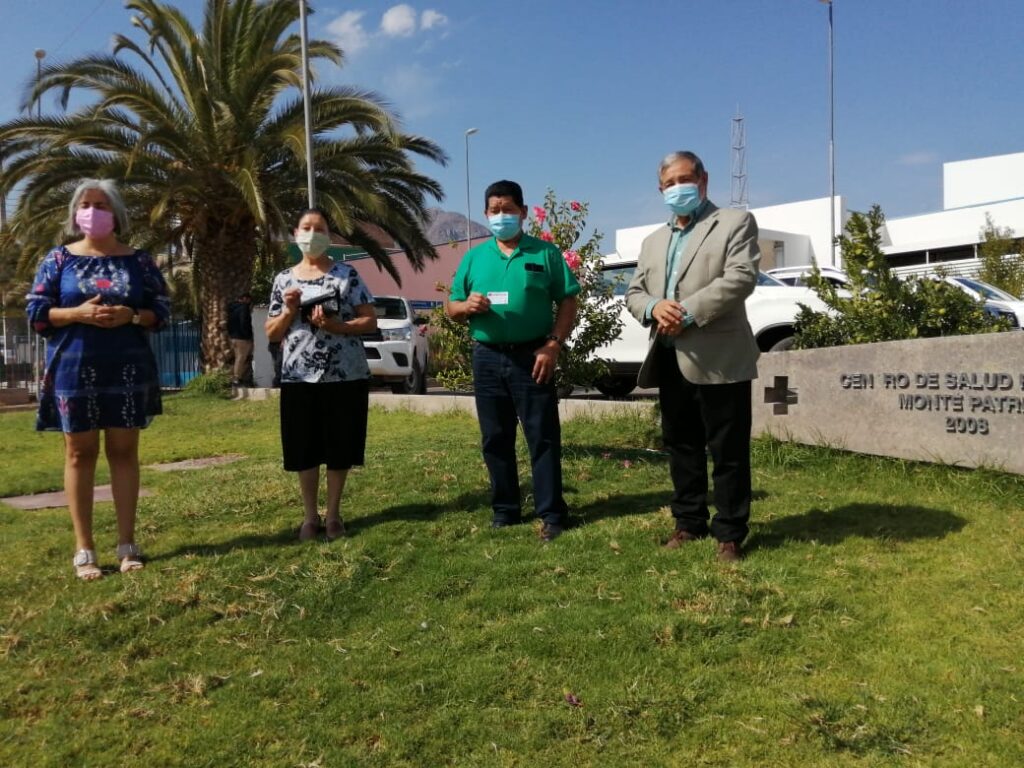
(573, 451)
(618, 505)
(289, 535)
(467, 503)
(878, 521)
(471, 503)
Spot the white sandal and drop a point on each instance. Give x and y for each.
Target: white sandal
(86, 565)
(131, 557)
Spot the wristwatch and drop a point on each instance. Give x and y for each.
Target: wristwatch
(136, 317)
(554, 338)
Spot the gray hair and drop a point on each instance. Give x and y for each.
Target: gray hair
(675, 157)
(117, 207)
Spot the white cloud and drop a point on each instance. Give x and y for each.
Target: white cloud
(347, 30)
(431, 18)
(399, 21)
(918, 158)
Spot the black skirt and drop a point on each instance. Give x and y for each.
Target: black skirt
(324, 424)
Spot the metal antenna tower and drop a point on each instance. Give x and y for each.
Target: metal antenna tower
(739, 162)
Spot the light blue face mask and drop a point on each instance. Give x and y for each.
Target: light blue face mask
(504, 226)
(683, 199)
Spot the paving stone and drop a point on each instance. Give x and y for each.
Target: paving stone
(207, 461)
(58, 499)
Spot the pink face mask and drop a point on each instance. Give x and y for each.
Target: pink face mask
(94, 222)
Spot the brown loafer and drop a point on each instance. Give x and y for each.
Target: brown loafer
(729, 552)
(680, 537)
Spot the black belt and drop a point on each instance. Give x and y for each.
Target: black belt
(514, 346)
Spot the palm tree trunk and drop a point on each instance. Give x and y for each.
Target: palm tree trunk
(225, 261)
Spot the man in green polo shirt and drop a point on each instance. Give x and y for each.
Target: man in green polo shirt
(519, 297)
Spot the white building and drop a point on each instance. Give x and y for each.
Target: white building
(798, 233)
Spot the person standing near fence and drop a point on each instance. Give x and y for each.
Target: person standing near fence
(93, 300)
(319, 309)
(240, 333)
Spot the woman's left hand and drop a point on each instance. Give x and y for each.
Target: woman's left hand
(113, 316)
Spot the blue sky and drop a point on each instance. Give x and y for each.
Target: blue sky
(587, 96)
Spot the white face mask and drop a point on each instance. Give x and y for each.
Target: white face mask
(311, 242)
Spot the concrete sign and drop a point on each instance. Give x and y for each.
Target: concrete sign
(956, 400)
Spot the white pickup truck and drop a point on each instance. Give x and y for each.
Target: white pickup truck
(397, 350)
(771, 310)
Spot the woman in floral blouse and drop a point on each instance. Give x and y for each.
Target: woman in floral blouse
(318, 310)
(94, 300)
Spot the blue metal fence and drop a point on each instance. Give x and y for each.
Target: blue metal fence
(23, 353)
(177, 353)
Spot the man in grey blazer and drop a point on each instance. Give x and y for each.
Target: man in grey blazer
(690, 285)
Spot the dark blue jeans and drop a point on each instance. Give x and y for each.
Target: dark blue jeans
(506, 393)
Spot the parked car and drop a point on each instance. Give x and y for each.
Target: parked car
(997, 301)
(771, 311)
(397, 350)
(798, 275)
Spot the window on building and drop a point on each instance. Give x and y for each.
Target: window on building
(908, 259)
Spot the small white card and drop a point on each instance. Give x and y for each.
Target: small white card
(498, 297)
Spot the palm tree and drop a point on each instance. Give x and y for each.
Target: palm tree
(205, 132)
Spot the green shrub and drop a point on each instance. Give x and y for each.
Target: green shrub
(999, 252)
(879, 306)
(216, 384)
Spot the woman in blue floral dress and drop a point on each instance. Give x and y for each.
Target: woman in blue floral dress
(94, 300)
(319, 309)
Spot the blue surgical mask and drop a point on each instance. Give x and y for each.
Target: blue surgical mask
(683, 199)
(504, 226)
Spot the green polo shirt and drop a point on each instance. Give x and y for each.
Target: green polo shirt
(534, 277)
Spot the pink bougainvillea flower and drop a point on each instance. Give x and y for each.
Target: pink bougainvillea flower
(539, 214)
(575, 205)
(572, 258)
(547, 237)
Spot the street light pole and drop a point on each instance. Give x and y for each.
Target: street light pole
(40, 55)
(831, 140)
(310, 189)
(469, 237)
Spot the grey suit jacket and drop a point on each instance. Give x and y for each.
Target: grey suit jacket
(717, 273)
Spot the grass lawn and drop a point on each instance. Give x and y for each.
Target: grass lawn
(876, 621)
